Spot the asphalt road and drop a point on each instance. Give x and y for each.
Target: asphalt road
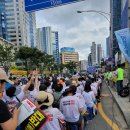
(111, 117)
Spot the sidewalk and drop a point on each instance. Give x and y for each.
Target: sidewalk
(123, 104)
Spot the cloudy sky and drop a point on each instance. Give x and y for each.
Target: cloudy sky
(77, 30)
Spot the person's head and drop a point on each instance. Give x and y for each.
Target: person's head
(42, 87)
(69, 91)
(15, 80)
(47, 83)
(62, 79)
(75, 73)
(31, 87)
(44, 99)
(93, 80)
(68, 82)
(3, 79)
(10, 92)
(74, 83)
(119, 65)
(87, 86)
(58, 88)
(74, 89)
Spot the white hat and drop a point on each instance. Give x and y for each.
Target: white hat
(41, 96)
(3, 76)
(74, 83)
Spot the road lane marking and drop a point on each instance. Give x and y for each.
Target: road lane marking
(106, 118)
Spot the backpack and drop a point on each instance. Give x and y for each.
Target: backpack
(56, 103)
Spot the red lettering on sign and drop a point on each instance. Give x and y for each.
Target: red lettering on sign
(30, 104)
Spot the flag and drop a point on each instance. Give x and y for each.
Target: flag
(123, 38)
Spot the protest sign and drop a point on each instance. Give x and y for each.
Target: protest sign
(31, 117)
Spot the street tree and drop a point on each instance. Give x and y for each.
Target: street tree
(71, 66)
(6, 56)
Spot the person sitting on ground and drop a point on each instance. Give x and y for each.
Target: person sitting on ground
(45, 101)
(8, 121)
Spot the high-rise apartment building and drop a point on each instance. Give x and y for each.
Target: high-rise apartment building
(47, 42)
(3, 32)
(18, 23)
(83, 65)
(32, 20)
(125, 13)
(55, 46)
(93, 53)
(90, 59)
(39, 39)
(115, 10)
(99, 53)
(108, 47)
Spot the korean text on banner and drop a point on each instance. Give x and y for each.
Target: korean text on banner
(123, 37)
(31, 117)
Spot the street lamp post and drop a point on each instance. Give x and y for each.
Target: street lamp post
(99, 12)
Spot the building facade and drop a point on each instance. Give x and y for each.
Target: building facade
(67, 57)
(3, 31)
(90, 59)
(99, 53)
(115, 19)
(67, 49)
(55, 44)
(93, 53)
(83, 65)
(17, 23)
(39, 39)
(47, 42)
(108, 47)
(32, 19)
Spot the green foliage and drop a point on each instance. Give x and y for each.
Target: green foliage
(33, 57)
(6, 56)
(71, 66)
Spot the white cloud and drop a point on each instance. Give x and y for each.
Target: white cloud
(77, 30)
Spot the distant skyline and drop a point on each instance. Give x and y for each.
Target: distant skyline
(77, 30)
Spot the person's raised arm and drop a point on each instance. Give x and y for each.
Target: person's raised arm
(28, 84)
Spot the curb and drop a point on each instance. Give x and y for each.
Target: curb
(124, 115)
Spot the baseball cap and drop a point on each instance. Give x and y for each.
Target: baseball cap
(3, 76)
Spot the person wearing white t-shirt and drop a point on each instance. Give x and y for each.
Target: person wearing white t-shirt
(89, 97)
(55, 117)
(32, 90)
(9, 95)
(94, 86)
(71, 107)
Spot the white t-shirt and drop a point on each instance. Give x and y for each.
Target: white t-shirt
(31, 94)
(54, 116)
(94, 88)
(70, 106)
(89, 98)
(82, 100)
(80, 89)
(14, 100)
(64, 89)
(99, 80)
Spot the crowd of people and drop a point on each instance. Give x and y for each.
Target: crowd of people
(68, 102)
